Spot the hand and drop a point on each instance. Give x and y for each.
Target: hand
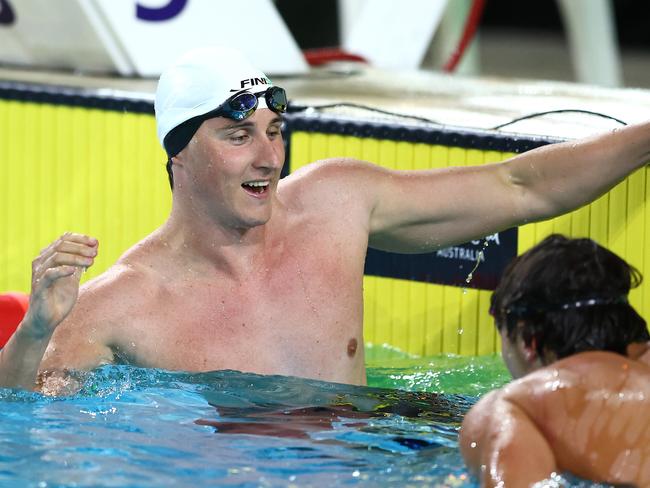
(55, 280)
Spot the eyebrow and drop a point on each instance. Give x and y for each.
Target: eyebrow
(248, 125)
(238, 125)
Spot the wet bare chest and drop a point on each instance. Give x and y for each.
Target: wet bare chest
(298, 314)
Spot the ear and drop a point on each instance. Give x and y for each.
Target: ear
(178, 159)
(530, 351)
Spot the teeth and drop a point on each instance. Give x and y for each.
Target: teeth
(257, 183)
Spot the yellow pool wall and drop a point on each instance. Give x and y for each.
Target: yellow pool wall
(101, 172)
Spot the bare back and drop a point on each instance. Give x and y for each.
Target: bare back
(294, 309)
(588, 414)
(594, 410)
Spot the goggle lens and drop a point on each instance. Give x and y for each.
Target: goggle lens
(242, 105)
(243, 102)
(276, 99)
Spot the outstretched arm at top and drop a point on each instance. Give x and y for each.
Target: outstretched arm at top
(502, 446)
(416, 211)
(55, 285)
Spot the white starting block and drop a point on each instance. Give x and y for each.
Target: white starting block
(140, 37)
(60, 35)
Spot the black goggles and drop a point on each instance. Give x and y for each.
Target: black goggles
(238, 107)
(242, 105)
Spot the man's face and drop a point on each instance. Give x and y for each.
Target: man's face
(232, 168)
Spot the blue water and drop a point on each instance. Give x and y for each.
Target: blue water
(143, 428)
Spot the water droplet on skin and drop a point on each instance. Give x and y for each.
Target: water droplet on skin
(473, 445)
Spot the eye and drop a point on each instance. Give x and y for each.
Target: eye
(239, 137)
(274, 132)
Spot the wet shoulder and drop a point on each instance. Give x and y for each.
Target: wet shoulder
(598, 366)
(83, 339)
(341, 180)
(574, 379)
(103, 297)
(125, 285)
(141, 268)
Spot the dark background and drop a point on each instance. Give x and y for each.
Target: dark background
(314, 24)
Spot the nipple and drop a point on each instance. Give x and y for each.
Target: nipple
(352, 347)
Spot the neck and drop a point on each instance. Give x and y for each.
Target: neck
(232, 249)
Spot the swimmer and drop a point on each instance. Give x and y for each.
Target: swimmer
(582, 400)
(253, 273)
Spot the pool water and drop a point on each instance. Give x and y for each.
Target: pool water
(134, 427)
(473, 376)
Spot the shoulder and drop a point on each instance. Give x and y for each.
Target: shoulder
(118, 282)
(607, 370)
(98, 320)
(106, 300)
(135, 273)
(336, 170)
(591, 367)
(106, 309)
(483, 406)
(484, 417)
(480, 416)
(343, 180)
(546, 392)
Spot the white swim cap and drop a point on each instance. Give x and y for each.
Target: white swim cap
(198, 82)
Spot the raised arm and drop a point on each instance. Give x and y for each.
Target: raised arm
(418, 211)
(55, 284)
(502, 446)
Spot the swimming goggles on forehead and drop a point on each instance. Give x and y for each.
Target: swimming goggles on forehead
(240, 106)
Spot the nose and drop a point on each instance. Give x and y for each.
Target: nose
(271, 153)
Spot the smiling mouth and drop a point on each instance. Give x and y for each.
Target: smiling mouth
(256, 187)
